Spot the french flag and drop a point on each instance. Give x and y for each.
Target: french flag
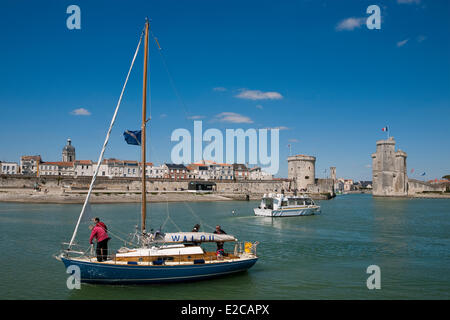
(384, 129)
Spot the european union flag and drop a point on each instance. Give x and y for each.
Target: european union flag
(132, 137)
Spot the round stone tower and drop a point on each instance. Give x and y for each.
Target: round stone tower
(302, 170)
(68, 154)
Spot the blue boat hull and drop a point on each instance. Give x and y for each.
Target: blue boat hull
(94, 272)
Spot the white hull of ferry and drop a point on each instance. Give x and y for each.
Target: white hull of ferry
(287, 212)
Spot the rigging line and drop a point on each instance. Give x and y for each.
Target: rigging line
(168, 214)
(105, 144)
(116, 236)
(122, 233)
(172, 82)
(196, 216)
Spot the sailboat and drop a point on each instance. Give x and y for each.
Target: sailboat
(157, 257)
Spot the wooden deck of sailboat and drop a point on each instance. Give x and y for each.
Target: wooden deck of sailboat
(207, 257)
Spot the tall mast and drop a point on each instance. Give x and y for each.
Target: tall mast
(144, 120)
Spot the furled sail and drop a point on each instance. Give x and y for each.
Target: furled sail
(180, 237)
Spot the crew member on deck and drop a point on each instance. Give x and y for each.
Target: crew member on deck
(99, 232)
(220, 252)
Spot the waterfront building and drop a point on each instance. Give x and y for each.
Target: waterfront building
(348, 185)
(29, 165)
(240, 171)
(339, 185)
(154, 171)
(257, 174)
(221, 171)
(203, 172)
(193, 172)
(120, 168)
(59, 168)
(68, 153)
(175, 171)
(9, 167)
(210, 170)
(103, 170)
(83, 168)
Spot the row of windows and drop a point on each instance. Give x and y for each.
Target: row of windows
(6, 168)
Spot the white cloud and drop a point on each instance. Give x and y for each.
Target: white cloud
(421, 38)
(232, 117)
(350, 24)
(195, 117)
(293, 140)
(80, 112)
(402, 43)
(163, 115)
(258, 106)
(220, 89)
(259, 95)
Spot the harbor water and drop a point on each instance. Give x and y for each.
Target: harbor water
(324, 256)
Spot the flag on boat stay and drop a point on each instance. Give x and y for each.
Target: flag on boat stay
(133, 137)
(385, 129)
(423, 174)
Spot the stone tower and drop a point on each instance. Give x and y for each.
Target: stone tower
(389, 176)
(302, 170)
(68, 154)
(333, 173)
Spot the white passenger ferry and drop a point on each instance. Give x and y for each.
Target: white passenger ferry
(280, 205)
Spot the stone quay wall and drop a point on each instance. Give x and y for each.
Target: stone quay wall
(134, 184)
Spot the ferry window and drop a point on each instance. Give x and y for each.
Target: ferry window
(308, 202)
(284, 203)
(292, 202)
(268, 203)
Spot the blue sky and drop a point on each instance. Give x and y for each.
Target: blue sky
(310, 68)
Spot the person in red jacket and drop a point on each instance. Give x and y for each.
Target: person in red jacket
(99, 232)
